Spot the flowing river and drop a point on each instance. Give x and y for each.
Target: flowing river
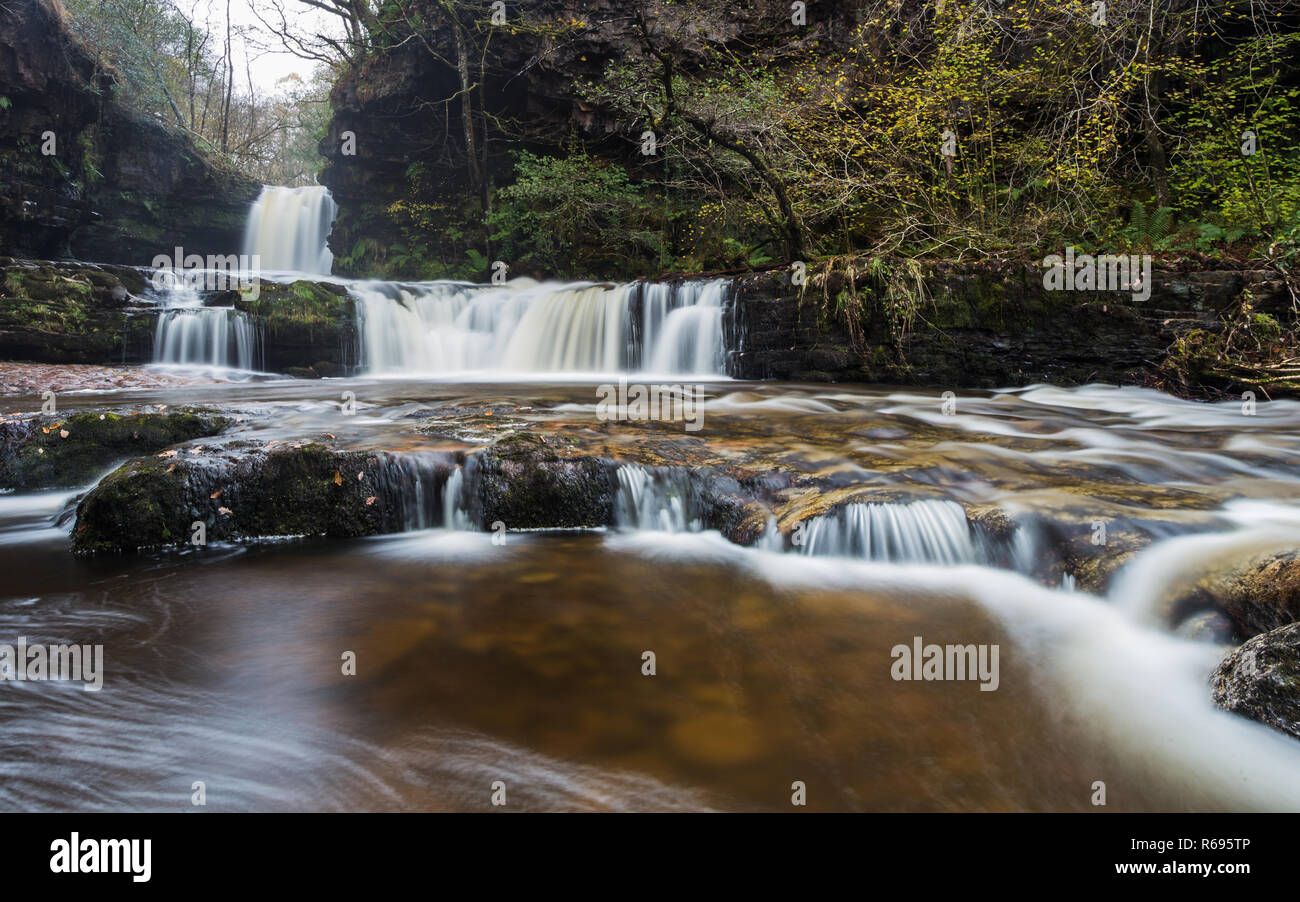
(481, 660)
(731, 634)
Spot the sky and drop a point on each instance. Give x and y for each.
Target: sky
(266, 68)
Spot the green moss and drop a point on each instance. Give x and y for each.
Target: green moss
(34, 458)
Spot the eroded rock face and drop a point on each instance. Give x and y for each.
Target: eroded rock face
(308, 328)
(1261, 595)
(986, 326)
(1261, 679)
(68, 452)
(528, 482)
(73, 313)
(120, 187)
(237, 492)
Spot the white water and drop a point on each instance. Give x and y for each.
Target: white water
(193, 335)
(921, 531)
(528, 327)
(288, 228)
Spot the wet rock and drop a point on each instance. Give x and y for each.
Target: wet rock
(528, 482)
(1261, 679)
(73, 313)
(1207, 626)
(66, 452)
(308, 328)
(124, 185)
(238, 492)
(1261, 595)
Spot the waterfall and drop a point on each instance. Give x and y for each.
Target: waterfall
(931, 531)
(529, 327)
(655, 500)
(189, 333)
(288, 228)
(684, 331)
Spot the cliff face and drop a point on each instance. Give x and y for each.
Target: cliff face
(401, 104)
(119, 187)
(986, 327)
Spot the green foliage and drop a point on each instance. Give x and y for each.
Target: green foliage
(564, 208)
(1147, 229)
(1216, 174)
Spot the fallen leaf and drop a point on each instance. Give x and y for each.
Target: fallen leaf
(330, 434)
(45, 429)
(63, 433)
(169, 453)
(338, 478)
(172, 467)
(224, 510)
(216, 494)
(361, 475)
(370, 500)
(40, 450)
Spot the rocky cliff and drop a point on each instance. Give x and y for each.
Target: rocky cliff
(409, 179)
(982, 326)
(85, 177)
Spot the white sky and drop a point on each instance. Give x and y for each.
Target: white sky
(266, 68)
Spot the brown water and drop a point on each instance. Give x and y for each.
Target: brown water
(522, 662)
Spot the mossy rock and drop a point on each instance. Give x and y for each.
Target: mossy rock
(236, 493)
(1261, 680)
(527, 483)
(299, 306)
(66, 452)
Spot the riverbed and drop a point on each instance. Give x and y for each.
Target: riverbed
(517, 659)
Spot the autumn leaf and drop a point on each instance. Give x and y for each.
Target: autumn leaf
(216, 494)
(338, 478)
(63, 433)
(168, 453)
(225, 511)
(370, 500)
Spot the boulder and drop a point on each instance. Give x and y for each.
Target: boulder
(1261, 679)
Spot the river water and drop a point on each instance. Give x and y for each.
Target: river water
(521, 662)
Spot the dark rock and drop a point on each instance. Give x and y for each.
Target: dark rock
(308, 328)
(526, 482)
(121, 187)
(73, 313)
(35, 453)
(236, 492)
(1262, 594)
(1261, 679)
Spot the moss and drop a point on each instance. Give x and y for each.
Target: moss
(300, 306)
(135, 506)
(527, 484)
(291, 491)
(37, 454)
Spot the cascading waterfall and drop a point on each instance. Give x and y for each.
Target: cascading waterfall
(655, 500)
(190, 334)
(288, 228)
(527, 327)
(928, 531)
